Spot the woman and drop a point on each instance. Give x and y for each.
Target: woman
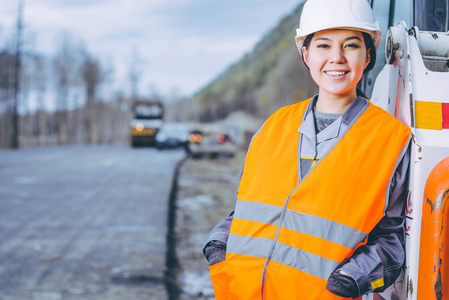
(320, 206)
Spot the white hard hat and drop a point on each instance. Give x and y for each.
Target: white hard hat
(320, 15)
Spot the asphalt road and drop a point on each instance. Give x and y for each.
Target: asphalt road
(84, 222)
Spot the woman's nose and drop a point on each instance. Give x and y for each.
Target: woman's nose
(337, 56)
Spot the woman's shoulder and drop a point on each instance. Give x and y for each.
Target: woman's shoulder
(292, 108)
(385, 117)
(288, 114)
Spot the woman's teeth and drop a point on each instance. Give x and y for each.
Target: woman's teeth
(336, 73)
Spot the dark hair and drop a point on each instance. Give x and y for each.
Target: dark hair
(369, 44)
(360, 93)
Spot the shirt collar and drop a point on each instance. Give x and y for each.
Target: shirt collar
(354, 109)
(330, 131)
(307, 126)
(308, 122)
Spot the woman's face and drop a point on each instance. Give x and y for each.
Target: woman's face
(336, 59)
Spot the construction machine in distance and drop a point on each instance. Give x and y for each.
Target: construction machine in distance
(147, 119)
(411, 82)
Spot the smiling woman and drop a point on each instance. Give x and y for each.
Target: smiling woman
(318, 214)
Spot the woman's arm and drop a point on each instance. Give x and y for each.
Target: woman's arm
(377, 264)
(214, 248)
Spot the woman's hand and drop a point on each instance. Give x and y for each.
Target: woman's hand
(215, 252)
(342, 284)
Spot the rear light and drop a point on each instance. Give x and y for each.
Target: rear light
(195, 138)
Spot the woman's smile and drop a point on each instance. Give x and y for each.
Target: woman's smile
(336, 74)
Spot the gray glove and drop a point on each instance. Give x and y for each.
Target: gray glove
(215, 252)
(342, 285)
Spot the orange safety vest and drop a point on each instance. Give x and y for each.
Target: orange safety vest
(287, 237)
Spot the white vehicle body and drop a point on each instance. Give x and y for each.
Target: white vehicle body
(414, 88)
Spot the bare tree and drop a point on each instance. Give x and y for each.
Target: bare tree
(92, 76)
(27, 131)
(135, 73)
(66, 72)
(15, 114)
(6, 94)
(122, 118)
(40, 86)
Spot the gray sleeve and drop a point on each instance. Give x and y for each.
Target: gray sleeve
(220, 232)
(214, 248)
(381, 259)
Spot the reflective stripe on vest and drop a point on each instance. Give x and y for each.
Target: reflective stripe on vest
(287, 255)
(307, 224)
(294, 234)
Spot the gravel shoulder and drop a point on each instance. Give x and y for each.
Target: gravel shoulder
(206, 195)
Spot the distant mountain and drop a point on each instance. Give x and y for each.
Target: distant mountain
(269, 77)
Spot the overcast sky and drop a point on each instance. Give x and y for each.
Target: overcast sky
(180, 44)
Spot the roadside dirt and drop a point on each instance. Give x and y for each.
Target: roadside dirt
(206, 195)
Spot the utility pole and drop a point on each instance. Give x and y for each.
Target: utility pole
(17, 65)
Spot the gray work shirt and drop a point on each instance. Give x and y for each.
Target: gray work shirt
(383, 255)
(312, 146)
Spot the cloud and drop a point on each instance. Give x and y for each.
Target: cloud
(183, 43)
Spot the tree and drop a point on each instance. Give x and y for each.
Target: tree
(17, 66)
(135, 73)
(66, 72)
(40, 78)
(92, 76)
(6, 95)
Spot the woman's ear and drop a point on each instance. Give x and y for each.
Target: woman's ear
(305, 57)
(368, 58)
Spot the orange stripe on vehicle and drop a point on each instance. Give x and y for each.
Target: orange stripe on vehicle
(428, 115)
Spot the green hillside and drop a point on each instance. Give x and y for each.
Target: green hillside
(269, 77)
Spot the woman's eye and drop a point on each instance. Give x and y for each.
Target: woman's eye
(353, 46)
(322, 46)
